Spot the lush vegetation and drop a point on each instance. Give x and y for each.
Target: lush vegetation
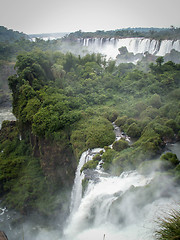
(13, 43)
(70, 101)
(21, 177)
(8, 35)
(168, 226)
(156, 33)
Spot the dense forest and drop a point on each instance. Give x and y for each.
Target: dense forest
(65, 104)
(8, 35)
(152, 33)
(13, 43)
(72, 101)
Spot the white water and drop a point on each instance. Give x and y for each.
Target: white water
(95, 206)
(76, 194)
(86, 156)
(89, 215)
(110, 46)
(109, 209)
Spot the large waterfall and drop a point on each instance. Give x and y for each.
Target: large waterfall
(93, 219)
(110, 46)
(113, 207)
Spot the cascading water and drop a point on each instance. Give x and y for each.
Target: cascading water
(93, 209)
(110, 46)
(76, 194)
(96, 204)
(113, 207)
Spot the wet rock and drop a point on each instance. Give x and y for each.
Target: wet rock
(3, 236)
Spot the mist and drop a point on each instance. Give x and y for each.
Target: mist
(112, 207)
(124, 207)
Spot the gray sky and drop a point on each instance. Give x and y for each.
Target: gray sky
(46, 16)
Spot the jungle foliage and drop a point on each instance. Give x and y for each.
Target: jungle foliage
(56, 94)
(156, 33)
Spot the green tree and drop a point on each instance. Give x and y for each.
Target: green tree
(159, 61)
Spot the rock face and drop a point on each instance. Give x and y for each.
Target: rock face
(57, 160)
(5, 99)
(6, 70)
(3, 236)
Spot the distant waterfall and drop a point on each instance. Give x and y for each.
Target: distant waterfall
(110, 46)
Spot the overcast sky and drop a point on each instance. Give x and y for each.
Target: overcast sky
(48, 16)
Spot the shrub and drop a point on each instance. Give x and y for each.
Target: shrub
(177, 174)
(97, 157)
(121, 121)
(108, 157)
(171, 123)
(90, 165)
(169, 226)
(130, 121)
(90, 133)
(149, 112)
(170, 157)
(133, 131)
(149, 142)
(120, 145)
(139, 107)
(155, 101)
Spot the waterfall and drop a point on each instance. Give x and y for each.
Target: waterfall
(109, 47)
(76, 194)
(95, 206)
(111, 208)
(86, 156)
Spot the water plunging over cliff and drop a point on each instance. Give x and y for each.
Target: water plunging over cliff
(76, 194)
(114, 207)
(95, 206)
(110, 46)
(93, 209)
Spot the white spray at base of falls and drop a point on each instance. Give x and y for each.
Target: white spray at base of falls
(118, 208)
(95, 205)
